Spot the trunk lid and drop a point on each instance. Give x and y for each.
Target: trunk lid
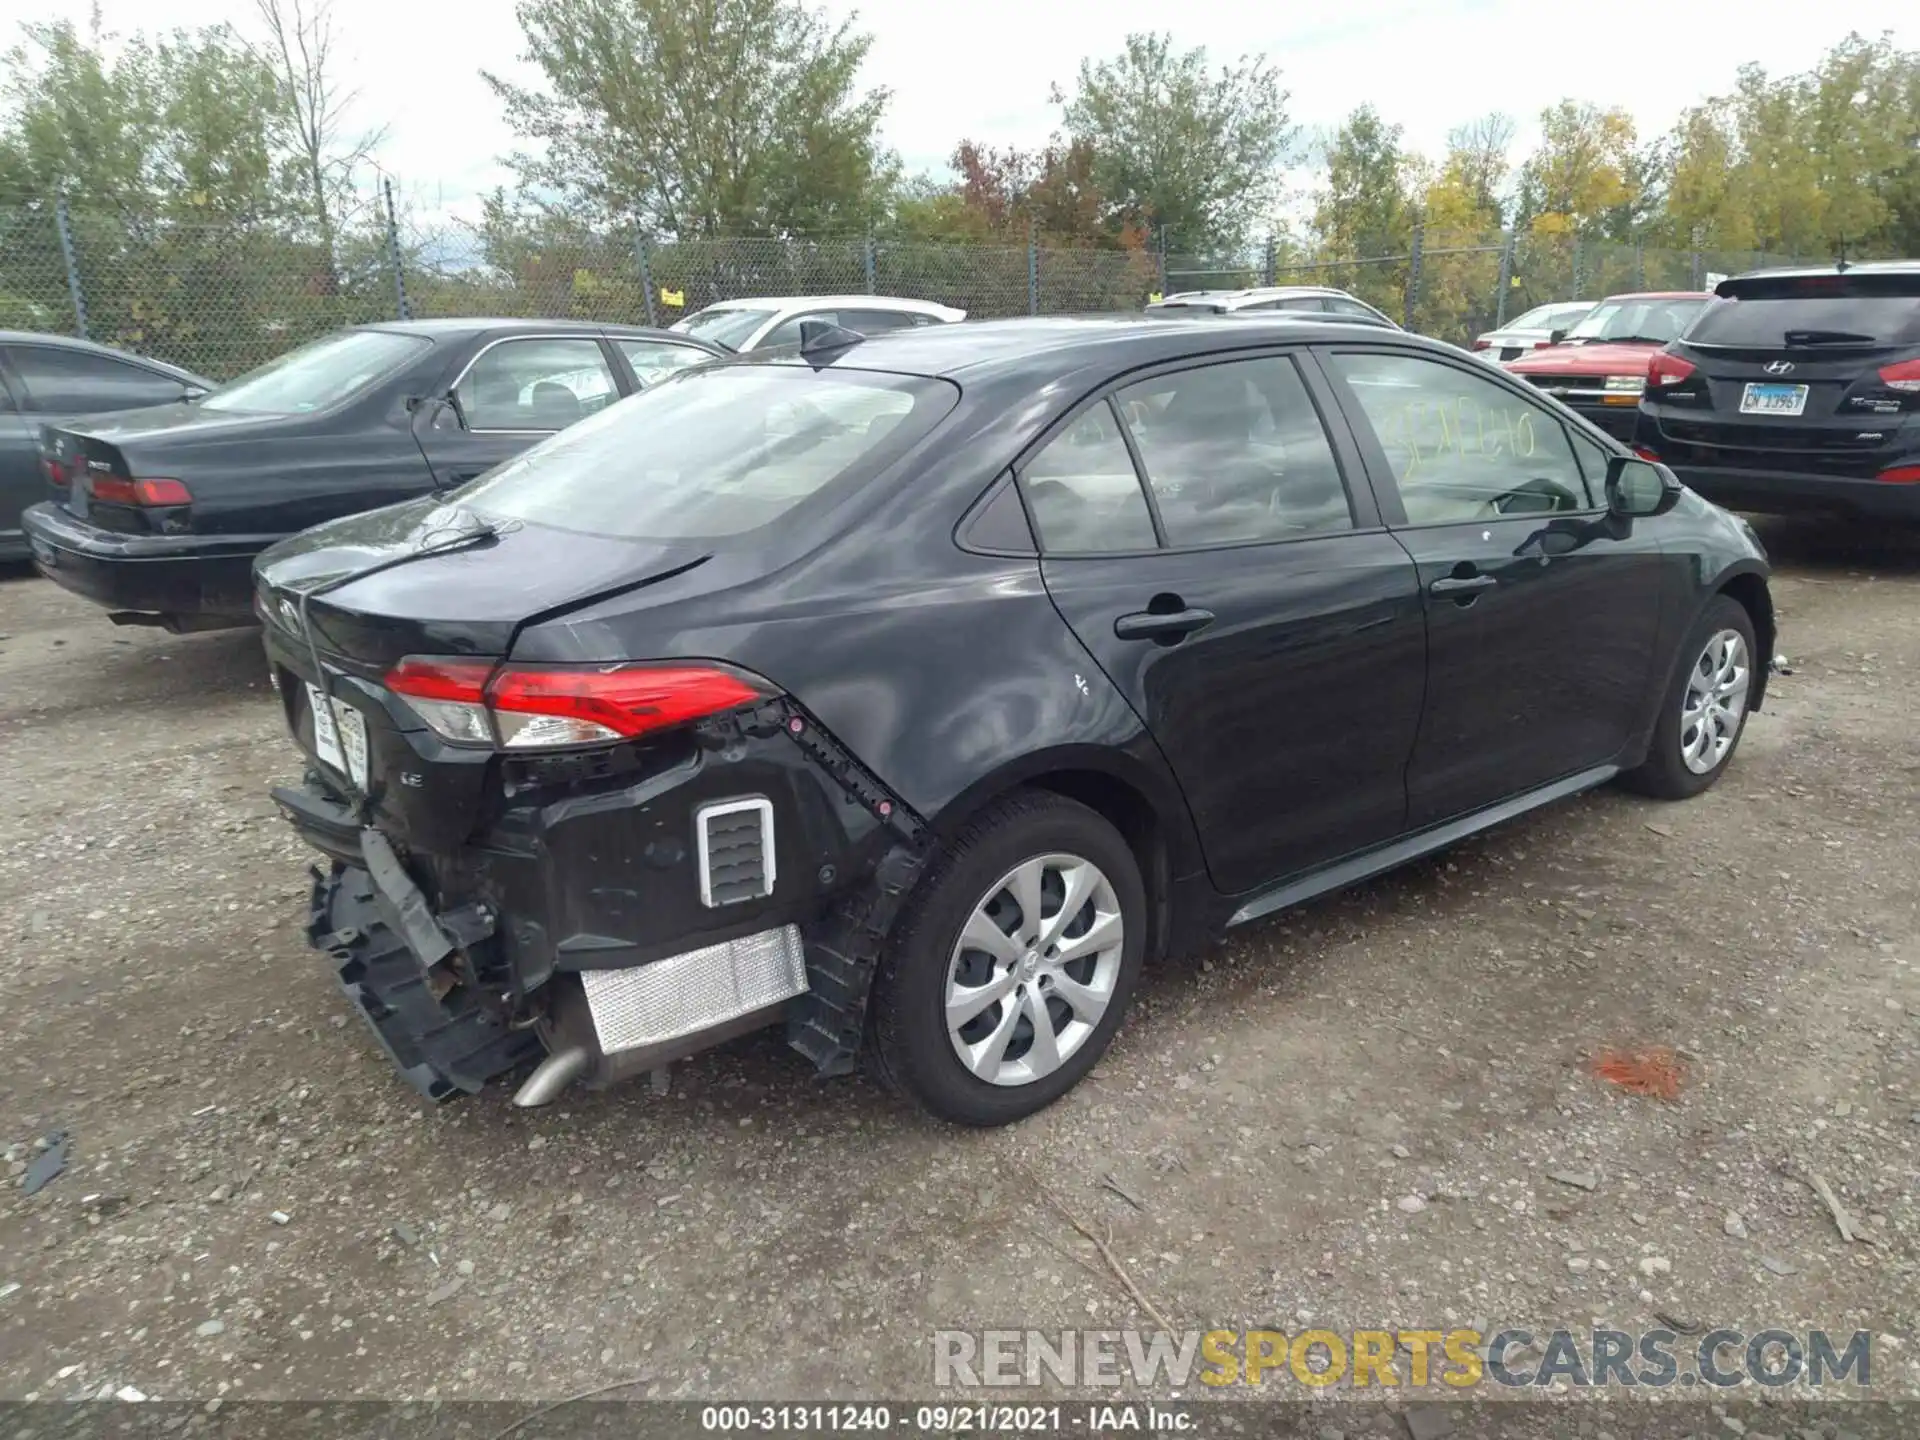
(196, 447)
(427, 593)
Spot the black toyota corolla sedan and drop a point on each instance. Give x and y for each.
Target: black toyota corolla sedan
(159, 514)
(912, 692)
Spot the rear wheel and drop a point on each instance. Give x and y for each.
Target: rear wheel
(1009, 973)
(1705, 709)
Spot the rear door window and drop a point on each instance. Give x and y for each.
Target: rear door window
(1083, 491)
(1236, 453)
(654, 360)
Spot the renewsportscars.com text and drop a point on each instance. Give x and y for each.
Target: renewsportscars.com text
(1457, 1359)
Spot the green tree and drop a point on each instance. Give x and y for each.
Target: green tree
(702, 118)
(1803, 164)
(1178, 148)
(1364, 208)
(1582, 171)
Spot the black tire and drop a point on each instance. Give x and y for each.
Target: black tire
(1665, 774)
(910, 1049)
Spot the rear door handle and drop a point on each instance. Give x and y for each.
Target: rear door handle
(1158, 625)
(1461, 584)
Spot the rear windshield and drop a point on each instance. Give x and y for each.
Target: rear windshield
(1835, 319)
(729, 327)
(712, 453)
(319, 375)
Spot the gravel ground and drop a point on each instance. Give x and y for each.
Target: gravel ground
(1346, 1117)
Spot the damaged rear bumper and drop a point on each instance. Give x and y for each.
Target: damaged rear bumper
(461, 993)
(444, 1043)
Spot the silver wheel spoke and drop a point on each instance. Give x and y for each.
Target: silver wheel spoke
(964, 1001)
(1104, 932)
(1079, 883)
(983, 933)
(1044, 1056)
(1088, 1002)
(984, 1059)
(1024, 884)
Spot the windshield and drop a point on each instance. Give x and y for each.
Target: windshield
(1655, 320)
(729, 327)
(712, 453)
(1548, 317)
(319, 375)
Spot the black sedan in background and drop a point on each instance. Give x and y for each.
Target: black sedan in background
(158, 514)
(1796, 390)
(912, 692)
(54, 379)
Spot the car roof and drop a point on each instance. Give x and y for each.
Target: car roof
(93, 347)
(1852, 267)
(1251, 291)
(985, 349)
(1655, 295)
(443, 326)
(808, 302)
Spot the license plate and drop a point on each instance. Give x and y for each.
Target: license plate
(350, 758)
(1758, 399)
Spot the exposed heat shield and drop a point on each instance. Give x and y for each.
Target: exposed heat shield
(649, 1005)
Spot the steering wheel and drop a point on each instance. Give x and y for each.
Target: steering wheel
(1537, 496)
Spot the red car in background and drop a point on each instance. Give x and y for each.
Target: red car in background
(1599, 367)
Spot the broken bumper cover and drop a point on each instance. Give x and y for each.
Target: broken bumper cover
(577, 922)
(444, 1044)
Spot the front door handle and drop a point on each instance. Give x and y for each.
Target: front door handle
(1462, 585)
(1161, 625)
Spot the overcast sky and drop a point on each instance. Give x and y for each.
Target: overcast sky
(983, 68)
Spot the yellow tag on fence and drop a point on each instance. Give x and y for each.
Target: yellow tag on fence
(672, 297)
(1154, 298)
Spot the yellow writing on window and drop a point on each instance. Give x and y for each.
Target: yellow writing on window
(1418, 432)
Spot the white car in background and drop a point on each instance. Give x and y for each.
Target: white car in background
(1532, 330)
(1296, 299)
(762, 324)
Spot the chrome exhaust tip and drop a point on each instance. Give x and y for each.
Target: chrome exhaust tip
(551, 1076)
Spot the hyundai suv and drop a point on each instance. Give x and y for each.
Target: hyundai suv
(1796, 390)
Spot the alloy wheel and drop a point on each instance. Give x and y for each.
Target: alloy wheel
(1715, 701)
(1034, 969)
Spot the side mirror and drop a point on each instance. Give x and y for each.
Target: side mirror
(1554, 337)
(1638, 489)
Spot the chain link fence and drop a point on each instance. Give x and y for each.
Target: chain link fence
(222, 297)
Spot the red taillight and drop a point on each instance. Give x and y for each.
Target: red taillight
(1480, 344)
(55, 473)
(116, 491)
(1647, 452)
(458, 680)
(1902, 475)
(1904, 376)
(1665, 369)
(525, 707)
